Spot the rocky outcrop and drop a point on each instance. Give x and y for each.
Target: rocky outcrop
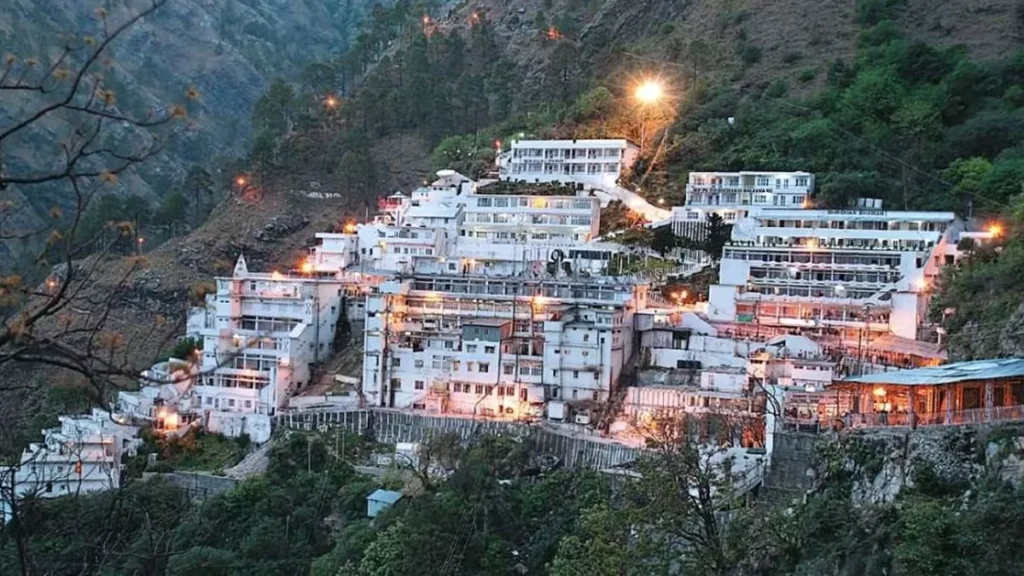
(881, 463)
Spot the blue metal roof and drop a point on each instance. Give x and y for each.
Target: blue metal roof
(992, 369)
(387, 496)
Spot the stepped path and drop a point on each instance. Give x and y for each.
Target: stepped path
(636, 203)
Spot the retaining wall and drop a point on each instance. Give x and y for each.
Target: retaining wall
(573, 450)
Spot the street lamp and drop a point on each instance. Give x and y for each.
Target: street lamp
(648, 93)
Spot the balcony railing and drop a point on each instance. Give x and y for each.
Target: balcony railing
(955, 417)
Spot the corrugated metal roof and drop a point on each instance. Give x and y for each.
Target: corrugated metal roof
(387, 496)
(947, 374)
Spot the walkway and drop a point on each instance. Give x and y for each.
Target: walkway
(636, 203)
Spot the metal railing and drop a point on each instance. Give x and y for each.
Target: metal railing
(954, 417)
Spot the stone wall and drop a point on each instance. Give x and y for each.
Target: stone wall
(791, 471)
(573, 450)
(198, 485)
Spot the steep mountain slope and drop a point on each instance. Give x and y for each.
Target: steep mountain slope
(228, 50)
(787, 36)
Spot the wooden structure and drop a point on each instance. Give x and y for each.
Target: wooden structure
(959, 393)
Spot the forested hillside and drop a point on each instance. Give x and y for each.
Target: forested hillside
(488, 508)
(221, 53)
(917, 105)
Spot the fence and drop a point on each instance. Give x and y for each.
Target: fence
(572, 450)
(972, 416)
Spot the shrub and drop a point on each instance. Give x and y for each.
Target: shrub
(750, 54)
(806, 75)
(777, 89)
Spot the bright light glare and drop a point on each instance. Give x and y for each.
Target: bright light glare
(995, 230)
(649, 92)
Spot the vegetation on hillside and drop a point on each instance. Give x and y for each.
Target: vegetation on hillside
(497, 513)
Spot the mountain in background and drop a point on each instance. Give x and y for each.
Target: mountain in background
(229, 50)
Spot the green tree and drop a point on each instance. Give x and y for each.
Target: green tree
(274, 113)
(718, 233)
(663, 240)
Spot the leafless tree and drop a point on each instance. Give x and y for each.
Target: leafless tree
(64, 321)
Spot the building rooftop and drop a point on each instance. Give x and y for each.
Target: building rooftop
(992, 369)
(387, 496)
(432, 210)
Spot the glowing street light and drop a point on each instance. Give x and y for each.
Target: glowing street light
(648, 93)
(995, 230)
(331, 102)
(240, 181)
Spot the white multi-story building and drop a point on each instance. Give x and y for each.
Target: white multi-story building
(261, 335)
(82, 455)
(595, 163)
(841, 273)
(737, 195)
(502, 219)
(482, 345)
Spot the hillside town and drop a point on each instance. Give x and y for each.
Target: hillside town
(499, 300)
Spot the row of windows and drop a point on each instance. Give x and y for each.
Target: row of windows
(535, 202)
(211, 402)
(760, 181)
(589, 168)
(261, 363)
(858, 225)
(260, 324)
(412, 251)
(568, 153)
(807, 258)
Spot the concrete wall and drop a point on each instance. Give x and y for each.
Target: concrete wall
(572, 450)
(197, 485)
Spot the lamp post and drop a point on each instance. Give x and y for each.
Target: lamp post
(648, 93)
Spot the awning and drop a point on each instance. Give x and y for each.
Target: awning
(899, 345)
(994, 369)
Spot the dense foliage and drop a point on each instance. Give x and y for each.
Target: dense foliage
(496, 512)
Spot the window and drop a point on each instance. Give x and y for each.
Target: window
(802, 180)
(586, 337)
(231, 402)
(554, 373)
(471, 348)
(396, 362)
(418, 363)
(485, 367)
(448, 345)
(479, 389)
(575, 373)
(489, 349)
(574, 392)
(508, 369)
(248, 403)
(396, 384)
(419, 384)
(209, 400)
(457, 387)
